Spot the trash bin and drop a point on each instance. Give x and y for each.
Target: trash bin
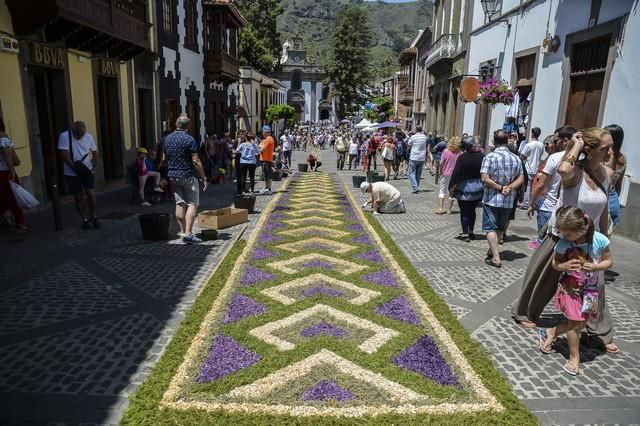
(247, 202)
(371, 175)
(154, 226)
(378, 178)
(357, 180)
(302, 167)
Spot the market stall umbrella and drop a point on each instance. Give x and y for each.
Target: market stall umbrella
(364, 123)
(388, 124)
(346, 120)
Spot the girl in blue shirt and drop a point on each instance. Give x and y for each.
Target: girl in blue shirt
(580, 255)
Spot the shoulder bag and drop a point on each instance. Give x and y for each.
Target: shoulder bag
(81, 169)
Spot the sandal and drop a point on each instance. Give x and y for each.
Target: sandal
(570, 368)
(611, 348)
(439, 212)
(490, 262)
(542, 338)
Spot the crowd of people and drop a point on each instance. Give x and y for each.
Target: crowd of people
(570, 181)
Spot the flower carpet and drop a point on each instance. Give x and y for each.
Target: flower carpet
(320, 320)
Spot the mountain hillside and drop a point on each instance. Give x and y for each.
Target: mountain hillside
(394, 24)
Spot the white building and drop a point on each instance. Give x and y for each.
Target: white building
(304, 81)
(591, 79)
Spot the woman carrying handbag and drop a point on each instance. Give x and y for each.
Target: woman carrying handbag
(8, 161)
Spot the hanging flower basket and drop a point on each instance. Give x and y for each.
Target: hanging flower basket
(495, 91)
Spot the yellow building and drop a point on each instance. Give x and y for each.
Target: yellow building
(72, 61)
(257, 93)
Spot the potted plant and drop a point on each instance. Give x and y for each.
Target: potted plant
(494, 91)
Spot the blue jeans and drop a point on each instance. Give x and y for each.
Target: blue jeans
(468, 215)
(614, 207)
(415, 171)
(542, 217)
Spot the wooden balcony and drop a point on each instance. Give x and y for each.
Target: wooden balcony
(405, 91)
(116, 28)
(221, 66)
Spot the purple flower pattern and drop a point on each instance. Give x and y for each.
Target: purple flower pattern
(267, 238)
(424, 358)
(327, 390)
(362, 239)
(399, 309)
(328, 291)
(318, 264)
(254, 276)
(323, 328)
(383, 277)
(241, 307)
(226, 356)
(372, 256)
(260, 253)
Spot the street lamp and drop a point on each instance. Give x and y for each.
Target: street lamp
(490, 8)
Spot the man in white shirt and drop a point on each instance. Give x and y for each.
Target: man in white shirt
(418, 155)
(285, 142)
(549, 180)
(532, 152)
(384, 198)
(80, 154)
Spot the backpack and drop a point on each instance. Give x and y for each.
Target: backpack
(400, 149)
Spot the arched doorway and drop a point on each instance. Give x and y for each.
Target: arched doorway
(324, 114)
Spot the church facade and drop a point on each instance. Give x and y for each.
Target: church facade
(306, 91)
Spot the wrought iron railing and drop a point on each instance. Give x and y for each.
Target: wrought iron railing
(445, 47)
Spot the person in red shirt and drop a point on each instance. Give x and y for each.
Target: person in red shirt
(267, 146)
(374, 143)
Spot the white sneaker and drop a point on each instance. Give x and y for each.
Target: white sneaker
(145, 204)
(158, 189)
(266, 191)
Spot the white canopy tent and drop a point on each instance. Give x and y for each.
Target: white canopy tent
(371, 128)
(364, 123)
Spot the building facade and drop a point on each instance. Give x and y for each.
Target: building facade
(198, 64)
(584, 74)
(445, 63)
(257, 93)
(306, 92)
(67, 61)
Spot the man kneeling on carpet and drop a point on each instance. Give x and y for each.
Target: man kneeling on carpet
(385, 198)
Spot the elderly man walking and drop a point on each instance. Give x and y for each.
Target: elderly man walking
(181, 152)
(501, 174)
(418, 154)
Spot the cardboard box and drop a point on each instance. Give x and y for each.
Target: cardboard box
(222, 218)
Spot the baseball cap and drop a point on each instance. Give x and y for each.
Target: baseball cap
(266, 128)
(364, 186)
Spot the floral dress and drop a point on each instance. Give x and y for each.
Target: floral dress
(577, 294)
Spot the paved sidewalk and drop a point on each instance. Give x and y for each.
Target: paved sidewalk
(85, 315)
(608, 391)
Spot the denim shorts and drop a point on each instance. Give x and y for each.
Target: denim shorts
(186, 190)
(494, 218)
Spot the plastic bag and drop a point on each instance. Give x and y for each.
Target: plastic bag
(23, 197)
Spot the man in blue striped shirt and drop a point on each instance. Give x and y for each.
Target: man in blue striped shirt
(501, 173)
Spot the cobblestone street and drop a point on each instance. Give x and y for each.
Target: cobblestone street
(85, 315)
(609, 390)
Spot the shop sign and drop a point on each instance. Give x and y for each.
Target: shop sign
(108, 68)
(47, 55)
